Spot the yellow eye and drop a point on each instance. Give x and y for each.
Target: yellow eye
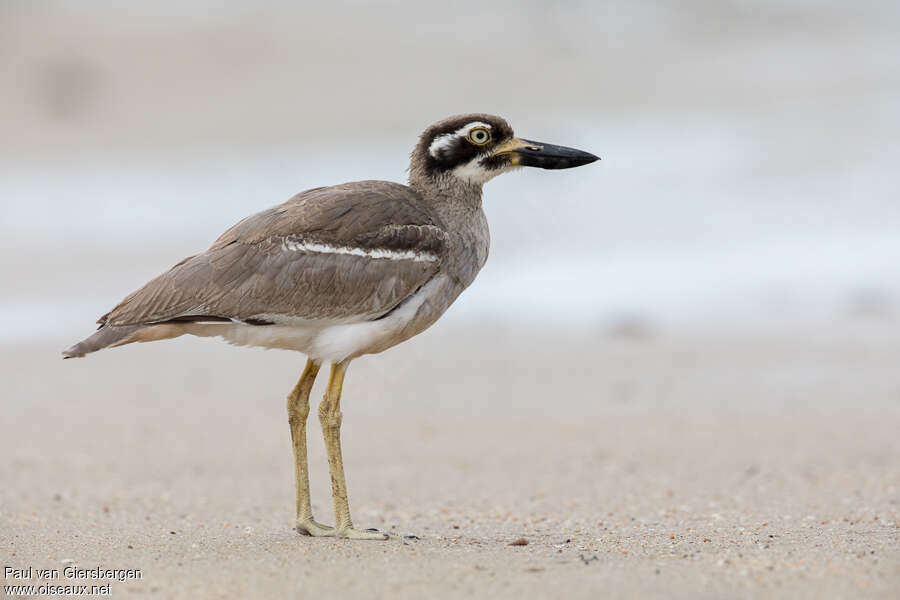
(479, 136)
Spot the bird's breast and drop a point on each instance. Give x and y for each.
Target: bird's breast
(469, 249)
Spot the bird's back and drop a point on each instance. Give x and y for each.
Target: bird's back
(341, 254)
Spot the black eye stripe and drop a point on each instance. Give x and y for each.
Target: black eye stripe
(452, 144)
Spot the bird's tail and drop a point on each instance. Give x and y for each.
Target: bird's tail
(106, 336)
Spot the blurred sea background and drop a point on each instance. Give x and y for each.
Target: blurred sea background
(750, 175)
(682, 360)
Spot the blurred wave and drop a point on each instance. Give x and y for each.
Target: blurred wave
(748, 179)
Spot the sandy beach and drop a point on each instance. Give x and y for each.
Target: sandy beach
(633, 466)
(676, 377)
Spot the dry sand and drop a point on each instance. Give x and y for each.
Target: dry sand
(669, 467)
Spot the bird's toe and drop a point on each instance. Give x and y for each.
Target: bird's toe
(314, 529)
(352, 533)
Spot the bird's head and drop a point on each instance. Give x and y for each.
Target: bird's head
(476, 148)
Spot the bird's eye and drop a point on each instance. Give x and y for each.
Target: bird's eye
(479, 136)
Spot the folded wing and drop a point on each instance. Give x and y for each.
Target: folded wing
(345, 253)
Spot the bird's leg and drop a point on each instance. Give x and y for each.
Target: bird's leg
(298, 410)
(330, 417)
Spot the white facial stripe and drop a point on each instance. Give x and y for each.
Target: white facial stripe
(290, 245)
(446, 140)
(475, 172)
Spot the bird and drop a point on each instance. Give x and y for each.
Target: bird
(337, 273)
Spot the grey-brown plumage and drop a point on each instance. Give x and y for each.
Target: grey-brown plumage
(248, 272)
(337, 272)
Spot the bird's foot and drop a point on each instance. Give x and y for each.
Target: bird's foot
(314, 529)
(310, 527)
(353, 533)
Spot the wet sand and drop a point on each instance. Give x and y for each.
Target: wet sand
(735, 467)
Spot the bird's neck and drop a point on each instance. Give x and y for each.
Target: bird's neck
(448, 196)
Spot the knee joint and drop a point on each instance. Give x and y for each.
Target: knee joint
(297, 416)
(297, 409)
(329, 417)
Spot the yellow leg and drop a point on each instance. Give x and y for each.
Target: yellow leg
(298, 410)
(330, 417)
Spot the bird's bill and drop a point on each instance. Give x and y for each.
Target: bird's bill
(528, 153)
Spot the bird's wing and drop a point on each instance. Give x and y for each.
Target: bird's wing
(345, 253)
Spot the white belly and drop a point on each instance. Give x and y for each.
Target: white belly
(333, 341)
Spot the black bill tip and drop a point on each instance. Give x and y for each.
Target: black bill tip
(551, 156)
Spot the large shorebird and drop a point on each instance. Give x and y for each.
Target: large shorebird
(338, 272)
